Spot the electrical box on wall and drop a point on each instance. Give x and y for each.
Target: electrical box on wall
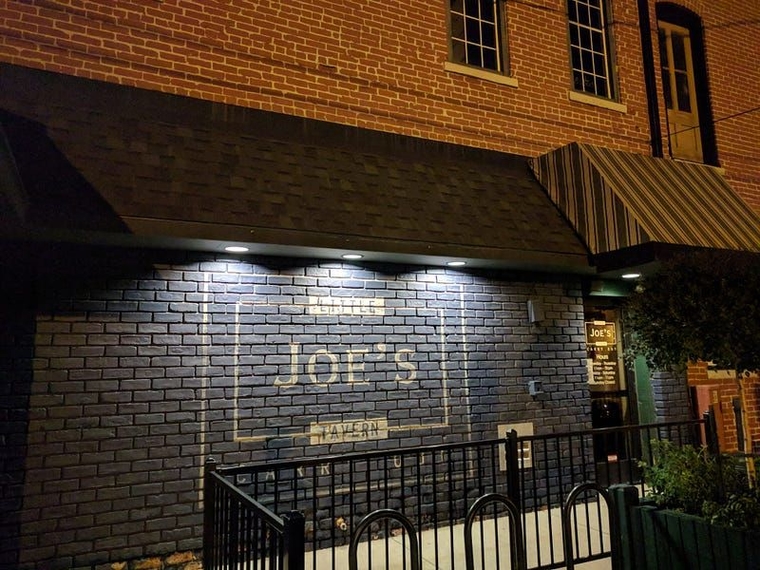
(535, 388)
(535, 311)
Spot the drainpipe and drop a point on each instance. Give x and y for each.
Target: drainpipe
(647, 53)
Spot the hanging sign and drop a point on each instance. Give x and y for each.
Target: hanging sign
(601, 346)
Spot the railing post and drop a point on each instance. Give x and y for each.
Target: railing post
(513, 468)
(209, 514)
(294, 537)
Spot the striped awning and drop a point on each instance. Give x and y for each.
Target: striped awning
(617, 199)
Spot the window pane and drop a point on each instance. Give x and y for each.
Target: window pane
(601, 87)
(490, 61)
(458, 52)
(574, 37)
(457, 6)
(586, 38)
(588, 83)
(679, 52)
(572, 12)
(488, 33)
(578, 80)
(473, 55)
(471, 8)
(576, 55)
(583, 16)
(596, 18)
(597, 40)
(488, 10)
(587, 60)
(682, 91)
(472, 31)
(599, 65)
(457, 27)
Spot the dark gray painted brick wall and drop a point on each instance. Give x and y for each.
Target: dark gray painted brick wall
(142, 373)
(671, 397)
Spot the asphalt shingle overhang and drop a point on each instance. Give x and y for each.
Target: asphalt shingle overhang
(113, 164)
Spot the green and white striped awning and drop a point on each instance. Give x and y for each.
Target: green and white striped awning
(617, 199)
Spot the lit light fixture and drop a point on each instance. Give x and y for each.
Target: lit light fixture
(352, 256)
(236, 249)
(631, 275)
(456, 263)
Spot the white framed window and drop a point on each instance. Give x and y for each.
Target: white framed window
(476, 33)
(590, 52)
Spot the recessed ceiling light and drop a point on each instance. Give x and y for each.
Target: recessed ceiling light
(631, 275)
(352, 256)
(236, 249)
(456, 263)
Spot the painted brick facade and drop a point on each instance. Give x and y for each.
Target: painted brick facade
(381, 66)
(144, 371)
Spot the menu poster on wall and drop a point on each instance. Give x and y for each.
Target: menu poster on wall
(601, 346)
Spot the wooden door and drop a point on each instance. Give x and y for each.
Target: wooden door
(677, 66)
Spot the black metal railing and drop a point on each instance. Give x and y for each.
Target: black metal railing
(550, 466)
(240, 532)
(433, 487)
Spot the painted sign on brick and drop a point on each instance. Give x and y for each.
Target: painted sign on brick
(326, 367)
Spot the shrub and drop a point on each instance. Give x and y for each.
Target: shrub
(690, 480)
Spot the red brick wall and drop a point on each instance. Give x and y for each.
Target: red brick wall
(722, 393)
(380, 65)
(374, 64)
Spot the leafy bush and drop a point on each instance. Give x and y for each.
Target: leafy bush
(690, 480)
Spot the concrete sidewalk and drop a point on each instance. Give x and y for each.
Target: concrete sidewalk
(491, 544)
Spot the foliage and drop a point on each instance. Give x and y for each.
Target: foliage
(701, 305)
(688, 479)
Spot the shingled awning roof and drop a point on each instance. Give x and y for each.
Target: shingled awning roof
(109, 161)
(618, 200)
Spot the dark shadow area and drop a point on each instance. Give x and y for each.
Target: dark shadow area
(54, 192)
(45, 279)
(17, 329)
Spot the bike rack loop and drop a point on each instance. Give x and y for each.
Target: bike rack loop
(379, 514)
(567, 537)
(515, 526)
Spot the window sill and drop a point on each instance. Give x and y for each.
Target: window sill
(480, 73)
(596, 101)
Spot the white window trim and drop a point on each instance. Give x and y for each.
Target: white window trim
(597, 101)
(480, 73)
